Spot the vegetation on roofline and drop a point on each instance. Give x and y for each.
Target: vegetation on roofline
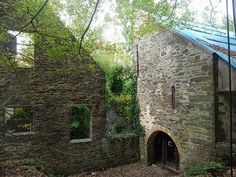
(121, 92)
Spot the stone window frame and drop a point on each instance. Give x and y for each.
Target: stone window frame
(7, 134)
(83, 140)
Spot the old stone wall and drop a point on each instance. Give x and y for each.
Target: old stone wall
(165, 60)
(223, 124)
(223, 127)
(222, 99)
(111, 120)
(50, 88)
(223, 76)
(75, 158)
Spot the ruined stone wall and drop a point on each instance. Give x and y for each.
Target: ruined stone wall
(89, 156)
(223, 76)
(222, 124)
(165, 60)
(50, 88)
(223, 127)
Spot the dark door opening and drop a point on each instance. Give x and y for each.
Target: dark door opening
(165, 151)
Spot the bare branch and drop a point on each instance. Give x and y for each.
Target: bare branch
(86, 30)
(160, 3)
(212, 10)
(90, 22)
(173, 9)
(2, 44)
(31, 20)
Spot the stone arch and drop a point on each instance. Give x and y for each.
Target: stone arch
(151, 136)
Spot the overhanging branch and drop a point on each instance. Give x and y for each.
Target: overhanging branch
(32, 19)
(89, 24)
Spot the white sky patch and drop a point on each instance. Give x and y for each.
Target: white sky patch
(219, 8)
(24, 42)
(24, 49)
(66, 18)
(112, 32)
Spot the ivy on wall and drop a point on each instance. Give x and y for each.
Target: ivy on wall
(121, 92)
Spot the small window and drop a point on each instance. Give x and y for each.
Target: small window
(23, 47)
(18, 120)
(80, 122)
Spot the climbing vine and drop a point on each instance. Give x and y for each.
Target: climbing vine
(121, 93)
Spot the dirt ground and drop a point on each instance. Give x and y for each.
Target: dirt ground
(131, 170)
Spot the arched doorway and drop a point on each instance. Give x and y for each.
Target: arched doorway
(163, 150)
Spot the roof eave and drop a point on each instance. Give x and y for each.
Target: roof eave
(204, 47)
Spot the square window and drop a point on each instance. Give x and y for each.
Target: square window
(80, 122)
(18, 119)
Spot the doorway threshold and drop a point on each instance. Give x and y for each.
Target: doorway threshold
(172, 168)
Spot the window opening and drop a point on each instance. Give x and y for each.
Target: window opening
(18, 120)
(80, 122)
(23, 47)
(173, 96)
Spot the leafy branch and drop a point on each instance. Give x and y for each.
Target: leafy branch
(32, 19)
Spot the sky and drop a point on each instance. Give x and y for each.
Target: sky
(112, 32)
(220, 8)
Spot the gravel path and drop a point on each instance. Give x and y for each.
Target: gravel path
(131, 170)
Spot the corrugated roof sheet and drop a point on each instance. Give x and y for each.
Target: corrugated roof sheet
(215, 40)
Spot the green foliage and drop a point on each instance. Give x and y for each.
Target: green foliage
(121, 92)
(55, 40)
(22, 113)
(75, 124)
(142, 17)
(50, 36)
(123, 104)
(41, 166)
(120, 80)
(135, 109)
(117, 81)
(231, 23)
(80, 122)
(20, 121)
(204, 169)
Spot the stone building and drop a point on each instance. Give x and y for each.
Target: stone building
(52, 107)
(183, 91)
(40, 104)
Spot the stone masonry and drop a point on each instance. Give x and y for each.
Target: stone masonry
(50, 88)
(165, 60)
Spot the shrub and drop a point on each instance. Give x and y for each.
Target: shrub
(121, 92)
(41, 166)
(204, 169)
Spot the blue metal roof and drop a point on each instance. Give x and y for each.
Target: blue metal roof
(215, 40)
